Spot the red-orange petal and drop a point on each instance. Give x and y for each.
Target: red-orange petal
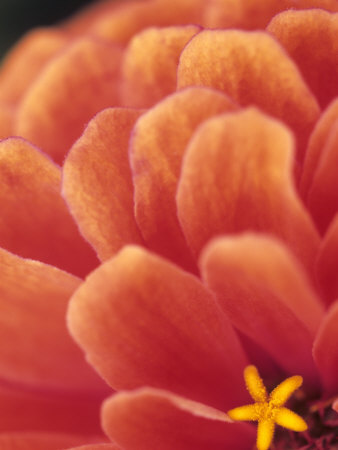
(325, 350)
(154, 419)
(322, 199)
(266, 295)
(27, 59)
(236, 62)
(74, 86)
(327, 263)
(97, 447)
(157, 325)
(37, 349)
(236, 176)
(7, 116)
(150, 64)
(316, 145)
(310, 38)
(97, 182)
(35, 222)
(39, 441)
(156, 150)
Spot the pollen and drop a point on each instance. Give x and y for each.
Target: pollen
(268, 410)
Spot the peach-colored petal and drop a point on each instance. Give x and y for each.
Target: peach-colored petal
(150, 64)
(316, 145)
(236, 176)
(237, 62)
(266, 295)
(154, 419)
(327, 263)
(7, 115)
(97, 182)
(35, 222)
(25, 62)
(157, 147)
(36, 346)
(322, 199)
(325, 350)
(155, 325)
(36, 411)
(39, 441)
(310, 38)
(74, 86)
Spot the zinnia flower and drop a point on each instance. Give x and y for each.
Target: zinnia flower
(200, 203)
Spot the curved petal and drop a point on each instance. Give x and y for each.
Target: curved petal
(37, 349)
(35, 222)
(97, 182)
(74, 86)
(7, 116)
(39, 441)
(28, 57)
(157, 325)
(156, 150)
(317, 143)
(150, 64)
(265, 293)
(236, 62)
(327, 263)
(236, 175)
(96, 447)
(309, 37)
(150, 418)
(325, 350)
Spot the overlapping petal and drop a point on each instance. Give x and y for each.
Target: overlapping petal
(236, 175)
(157, 147)
(77, 84)
(35, 222)
(39, 441)
(155, 325)
(97, 182)
(151, 418)
(266, 295)
(237, 62)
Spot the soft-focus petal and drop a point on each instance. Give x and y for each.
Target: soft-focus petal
(266, 295)
(74, 86)
(236, 176)
(153, 419)
(7, 115)
(327, 263)
(96, 447)
(39, 441)
(325, 350)
(155, 325)
(35, 222)
(252, 68)
(97, 182)
(150, 64)
(310, 38)
(36, 346)
(157, 147)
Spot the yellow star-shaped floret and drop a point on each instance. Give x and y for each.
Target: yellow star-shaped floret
(268, 410)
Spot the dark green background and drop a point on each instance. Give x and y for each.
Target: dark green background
(18, 16)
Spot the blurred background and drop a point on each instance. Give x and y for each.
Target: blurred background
(18, 16)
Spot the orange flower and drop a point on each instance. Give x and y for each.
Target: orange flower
(204, 194)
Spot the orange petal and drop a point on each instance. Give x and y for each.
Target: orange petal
(157, 325)
(154, 419)
(26, 61)
(316, 145)
(39, 441)
(266, 295)
(35, 222)
(150, 64)
(37, 348)
(36, 411)
(236, 62)
(157, 147)
(322, 198)
(309, 37)
(236, 176)
(325, 350)
(327, 263)
(7, 115)
(97, 182)
(78, 83)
